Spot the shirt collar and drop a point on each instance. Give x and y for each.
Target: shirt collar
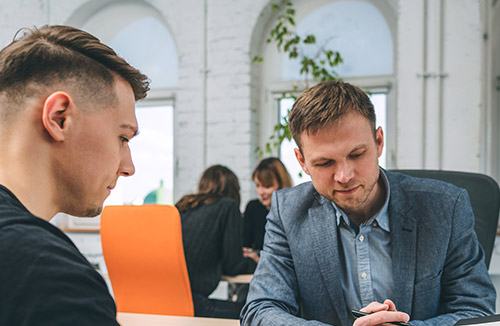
(382, 216)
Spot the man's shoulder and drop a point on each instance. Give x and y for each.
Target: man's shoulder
(16, 221)
(422, 185)
(42, 262)
(18, 228)
(30, 238)
(46, 276)
(303, 192)
(296, 201)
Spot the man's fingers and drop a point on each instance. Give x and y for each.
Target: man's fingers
(390, 304)
(375, 306)
(382, 317)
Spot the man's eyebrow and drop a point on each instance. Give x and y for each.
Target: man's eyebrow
(323, 158)
(131, 128)
(320, 158)
(358, 148)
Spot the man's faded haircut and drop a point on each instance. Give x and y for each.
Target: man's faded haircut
(41, 60)
(326, 103)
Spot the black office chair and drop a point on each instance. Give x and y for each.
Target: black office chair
(484, 197)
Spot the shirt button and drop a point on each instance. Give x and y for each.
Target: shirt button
(363, 275)
(361, 238)
(375, 223)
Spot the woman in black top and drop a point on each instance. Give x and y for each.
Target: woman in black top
(211, 229)
(270, 175)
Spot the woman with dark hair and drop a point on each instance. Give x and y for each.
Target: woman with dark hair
(269, 175)
(211, 229)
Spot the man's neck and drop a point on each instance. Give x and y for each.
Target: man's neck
(22, 171)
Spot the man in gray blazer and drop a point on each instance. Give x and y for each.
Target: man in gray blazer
(360, 237)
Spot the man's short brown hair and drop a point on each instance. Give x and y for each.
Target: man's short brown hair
(49, 57)
(326, 103)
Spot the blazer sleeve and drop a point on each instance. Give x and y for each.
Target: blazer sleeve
(466, 288)
(273, 297)
(233, 261)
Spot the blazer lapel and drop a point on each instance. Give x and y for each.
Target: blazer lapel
(404, 242)
(325, 241)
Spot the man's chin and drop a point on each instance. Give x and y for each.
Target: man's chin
(93, 212)
(89, 212)
(346, 205)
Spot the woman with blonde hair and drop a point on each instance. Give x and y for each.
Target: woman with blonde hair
(211, 229)
(269, 175)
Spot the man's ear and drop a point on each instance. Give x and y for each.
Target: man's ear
(300, 158)
(55, 113)
(379, 139)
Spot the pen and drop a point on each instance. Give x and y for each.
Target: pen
(357, 314)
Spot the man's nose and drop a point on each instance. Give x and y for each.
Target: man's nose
(344, 173)
(127, 167)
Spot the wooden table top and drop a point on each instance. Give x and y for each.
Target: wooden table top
(129, 319)
(242, 278)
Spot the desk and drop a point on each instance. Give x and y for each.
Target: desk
(242, 278)
(128, 319)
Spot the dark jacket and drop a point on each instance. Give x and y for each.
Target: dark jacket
(212, 244)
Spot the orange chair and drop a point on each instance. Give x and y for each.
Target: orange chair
(144, 255)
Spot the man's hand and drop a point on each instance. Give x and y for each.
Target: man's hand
(250, 253)
(381, 314)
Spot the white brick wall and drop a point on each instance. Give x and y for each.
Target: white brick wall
(229, 121)
(235, 33)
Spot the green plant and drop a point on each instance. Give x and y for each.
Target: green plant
(317, 67)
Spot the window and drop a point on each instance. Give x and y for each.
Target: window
(152, 153)
(138, 34)
(357, 30)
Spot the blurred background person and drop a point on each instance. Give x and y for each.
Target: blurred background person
(269, 175)
(211, 230)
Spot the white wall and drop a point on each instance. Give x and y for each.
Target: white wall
(212, 117)
(439, 104)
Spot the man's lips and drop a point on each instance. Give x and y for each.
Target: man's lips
(348, 191)
(111, 187)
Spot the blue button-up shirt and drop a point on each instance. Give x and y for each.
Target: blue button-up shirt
(366, 257)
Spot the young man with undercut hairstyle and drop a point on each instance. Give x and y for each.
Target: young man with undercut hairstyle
(67, 112)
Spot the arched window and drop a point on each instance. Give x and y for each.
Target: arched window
(357, 30)
(138, 34)
(363, 33)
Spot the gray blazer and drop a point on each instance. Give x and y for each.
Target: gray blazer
(438, 265)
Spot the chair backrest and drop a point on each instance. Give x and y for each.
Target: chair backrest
(144, 255)
(484, 197)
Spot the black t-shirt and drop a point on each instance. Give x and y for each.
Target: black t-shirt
(254, 224)
(44, 279)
